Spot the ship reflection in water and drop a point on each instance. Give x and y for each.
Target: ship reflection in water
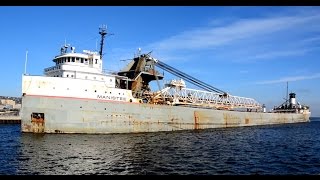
(277, 149)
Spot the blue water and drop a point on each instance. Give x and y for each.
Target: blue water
(289, 149)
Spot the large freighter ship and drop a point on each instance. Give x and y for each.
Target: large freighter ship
(77, 96)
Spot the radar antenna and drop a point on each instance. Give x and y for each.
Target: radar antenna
(103, 33)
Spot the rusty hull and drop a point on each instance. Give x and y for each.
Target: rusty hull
(67, 115)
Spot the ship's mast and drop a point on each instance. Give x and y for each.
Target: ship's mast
(25, 63)
(103, 33)
(287, 92)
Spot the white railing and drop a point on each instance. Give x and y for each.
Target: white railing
(181, 95)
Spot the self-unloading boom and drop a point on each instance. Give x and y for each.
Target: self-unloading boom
(186, 77)
(141, 70)
(211, 97)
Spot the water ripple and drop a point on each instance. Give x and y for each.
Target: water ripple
(264, 150)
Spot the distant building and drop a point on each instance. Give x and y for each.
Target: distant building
(17, 106)
(7, 102)
(2, 107)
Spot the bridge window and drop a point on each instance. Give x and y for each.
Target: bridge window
(73, 59)
(96, 61)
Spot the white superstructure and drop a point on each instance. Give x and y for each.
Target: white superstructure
(78, 75)
(86, 65)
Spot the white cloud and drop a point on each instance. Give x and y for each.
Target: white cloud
(207, 37)
(290, 79)
(311, 40)
(244, 72)
(221, 21)
(248, 37)
(274, 54)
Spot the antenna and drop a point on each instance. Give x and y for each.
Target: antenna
(287, 91)
(102, 32)
(25, 63)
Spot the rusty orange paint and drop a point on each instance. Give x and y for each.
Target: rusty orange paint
(225, 118)
(196, 120)
(247, 121)
(37, 124)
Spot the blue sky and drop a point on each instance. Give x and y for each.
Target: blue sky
(246, 51)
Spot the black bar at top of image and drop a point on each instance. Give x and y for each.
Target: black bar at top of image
(161, 3)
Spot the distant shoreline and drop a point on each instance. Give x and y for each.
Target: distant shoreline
(10, 119)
